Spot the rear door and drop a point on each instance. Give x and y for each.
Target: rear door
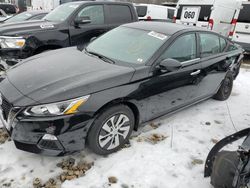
(242, 30)
(82, 33)
(118, 14)
(215, 62)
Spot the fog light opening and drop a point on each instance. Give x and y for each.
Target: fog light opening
(49, 137)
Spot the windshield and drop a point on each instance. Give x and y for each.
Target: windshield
(244, 14)
(61, 13)
(20, 17)
(128, 45)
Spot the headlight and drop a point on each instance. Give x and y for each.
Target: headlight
(60, 108)
(12, 42)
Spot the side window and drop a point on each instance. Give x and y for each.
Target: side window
(223, 44)
(120, 14)
(94, 12)
(210, 44)
(171, 14)
(183, 49)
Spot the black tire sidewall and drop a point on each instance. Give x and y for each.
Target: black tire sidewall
(101, 118)
(221, 95)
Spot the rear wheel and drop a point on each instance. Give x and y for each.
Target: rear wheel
(111, 130)
(225, 88)
(224, 168)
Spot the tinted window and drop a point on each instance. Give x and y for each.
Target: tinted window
(210, 44)
(205, 12)
(61, 13)
(8, 9)
(120, 13)
(231, 47)
(223, 44)
(94, 12)
(171, 13)
(141, 10)
(245, 14)
(183, 49)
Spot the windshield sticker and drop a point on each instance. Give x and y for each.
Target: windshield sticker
(47, 26)
(157, 35)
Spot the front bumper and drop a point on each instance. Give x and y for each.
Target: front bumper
(28, 134)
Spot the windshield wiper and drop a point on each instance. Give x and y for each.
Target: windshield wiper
(100, 56)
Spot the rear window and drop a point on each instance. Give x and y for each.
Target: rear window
(120, 13)
(171, 13)
(8, 9)
(245, 14)
(210, 44)
(205, 12)
(141, 10)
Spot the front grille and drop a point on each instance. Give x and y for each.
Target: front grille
(6, 107)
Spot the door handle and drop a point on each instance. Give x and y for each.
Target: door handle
(195, 73)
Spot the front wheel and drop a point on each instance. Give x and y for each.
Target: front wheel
(225, 88)
(111, 130)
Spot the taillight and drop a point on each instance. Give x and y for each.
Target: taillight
(174, 19)
(233, 23)
(149, 18)
(210, 24)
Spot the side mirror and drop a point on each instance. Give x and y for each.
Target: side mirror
(82, 20)
(170, 65)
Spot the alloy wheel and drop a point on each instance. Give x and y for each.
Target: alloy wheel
(114, 131)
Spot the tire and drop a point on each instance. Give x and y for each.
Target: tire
(225, 89)
(97, 138)
(224, 168)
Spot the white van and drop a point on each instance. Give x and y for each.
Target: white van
(241, 33)
(216, 15)
(154, 12)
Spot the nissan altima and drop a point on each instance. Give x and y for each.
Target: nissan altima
(58, 102)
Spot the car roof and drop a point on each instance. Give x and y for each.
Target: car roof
(34, 12)
(166, 28)
(97, 1)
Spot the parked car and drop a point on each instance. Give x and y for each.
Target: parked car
(215, 15)
(3, 15)
(9, 9)
(155, 12)
(241, 32)
(70, 24)
(28, 15)
(126, 77)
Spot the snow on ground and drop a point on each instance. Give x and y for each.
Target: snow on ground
(171, 163)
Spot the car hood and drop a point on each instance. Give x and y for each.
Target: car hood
(65, 74)
(25, 27)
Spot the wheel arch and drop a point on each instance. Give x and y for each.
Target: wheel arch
(126, 102)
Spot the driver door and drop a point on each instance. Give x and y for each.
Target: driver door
(174, 89)
(80, 34)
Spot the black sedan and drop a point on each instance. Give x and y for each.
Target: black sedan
(28, 15)
(59, 101)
